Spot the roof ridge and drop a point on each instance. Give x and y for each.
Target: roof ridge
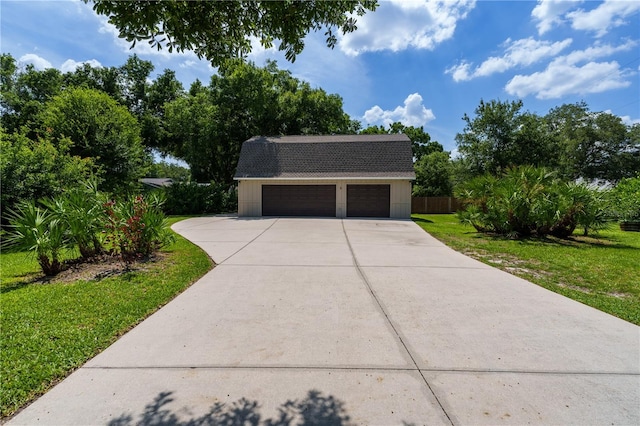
(396, 137)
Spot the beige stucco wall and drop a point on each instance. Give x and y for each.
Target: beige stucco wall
(250, 195)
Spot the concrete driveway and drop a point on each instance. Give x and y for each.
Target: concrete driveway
(354, 322)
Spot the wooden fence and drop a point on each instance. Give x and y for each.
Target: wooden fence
(434, 205)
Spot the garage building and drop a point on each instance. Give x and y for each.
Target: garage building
(326, 176)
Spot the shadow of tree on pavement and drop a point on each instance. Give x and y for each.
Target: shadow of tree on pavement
(314, 409)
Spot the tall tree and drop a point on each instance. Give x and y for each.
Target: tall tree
(134, 85)
(207, 126)
(219, 30)
(421, 143)
(594, 145)
(101, 129)
(433, 175)
(502, 135)
(164, 169)
(24, 93)
(104, 79)
(165, 88)
(193, 125)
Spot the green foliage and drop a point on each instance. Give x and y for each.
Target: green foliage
(37, 230)
(594, 145)
(590, 207)
(193, 198)
(164, 169)
(24, 93)
(100, 129)
(221, 30)
(165, 88)
(79, 210)
(133, 80)
(193, 123)
(104, 79)
(570, 139)
(625, 200)
(206, 128)
(433, 175)
(36, 169)
(500, 136)
(136, 227)
(85, 220)
(526, 200)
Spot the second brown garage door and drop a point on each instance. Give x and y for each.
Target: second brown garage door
(299, 200)
(368, 200)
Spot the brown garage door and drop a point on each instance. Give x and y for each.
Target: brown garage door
(368, 200)
(299, 200)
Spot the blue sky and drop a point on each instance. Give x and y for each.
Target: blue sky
(424, 63)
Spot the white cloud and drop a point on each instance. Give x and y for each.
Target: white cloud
(561, 79)
(38, 62)
(550, 13)
(413, 113)
(460, 72)
(626, 119)
(608, 15)
(575, 73)
(188, 64)
(401, 24)
(259, 53)
(598, 51)
(70, 65)
(523, 52)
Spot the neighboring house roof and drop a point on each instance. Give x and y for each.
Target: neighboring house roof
(326, 157)
(157, 182)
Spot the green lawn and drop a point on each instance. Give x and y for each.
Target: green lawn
(48, 330)
(602, 271)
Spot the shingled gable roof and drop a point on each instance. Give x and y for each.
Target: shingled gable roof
(326, 157)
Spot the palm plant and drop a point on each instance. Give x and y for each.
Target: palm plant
(527, 200)
(80, 211)
(34, 229)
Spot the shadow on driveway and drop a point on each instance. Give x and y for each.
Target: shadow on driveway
(314, 409)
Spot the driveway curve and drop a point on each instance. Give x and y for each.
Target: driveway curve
(334, 321)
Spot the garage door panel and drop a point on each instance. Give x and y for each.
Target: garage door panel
(368, 200)
(299, 200)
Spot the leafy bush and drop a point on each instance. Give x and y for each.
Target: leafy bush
(100, 129)
(194, 198)
(31, 170)
(136, 227)
(625, 200)
(527, 200)
(32, 228)
(80, 212)
(433, 176)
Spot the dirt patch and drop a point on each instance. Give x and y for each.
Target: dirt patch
(585, 290)
(99, 268)
(510, 264)
(523, 271)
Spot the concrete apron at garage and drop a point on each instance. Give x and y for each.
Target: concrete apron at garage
(354, 321)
